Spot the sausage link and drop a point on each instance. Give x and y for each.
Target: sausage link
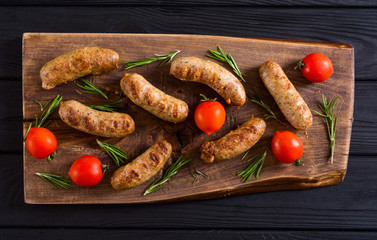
(78, 63)
(160, 104)
(142, 168)
(95, 122)
(290, 102)
(235, 142)
(212, 74)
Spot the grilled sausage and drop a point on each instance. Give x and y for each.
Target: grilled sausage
(143, 167)
(286, 96)
(212, 74)
(145, 95)
(78, 63)
(234, 143)
(95, 122)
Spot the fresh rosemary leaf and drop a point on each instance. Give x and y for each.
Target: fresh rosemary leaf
(54, 180)
(108, 107)
(194, 176)
(243, 157)
(328, 113)
(40, 104)
(158, 57)
(91, 88)
(227, 58)
(254, 167)
(260, 102)
(46, 113)
(171, 171)
(117, 154)
(27, 131)
(201, 173)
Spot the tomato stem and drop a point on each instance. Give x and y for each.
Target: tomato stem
(105, 168)
(51, 157)
(298, 162)
(205, 99)
(300, 65)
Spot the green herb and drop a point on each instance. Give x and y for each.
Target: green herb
(117, 154)
(53, 179)
(108, 107)
(194, 176)
(91, 88)
(227, 58)
(27, 131)
(40, 104)
(243, 157)
(201, 173)
(45, 114)
(172, 170)
(158, 57)
(255, 166)
(331, 121)
(260, 102)
(298, 162)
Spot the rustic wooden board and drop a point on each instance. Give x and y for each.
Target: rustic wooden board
(38, 48)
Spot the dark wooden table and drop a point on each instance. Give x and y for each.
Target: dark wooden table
(344, 211)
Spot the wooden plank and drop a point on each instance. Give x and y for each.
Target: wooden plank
(352, 25)
(39, 48)
(71, 233)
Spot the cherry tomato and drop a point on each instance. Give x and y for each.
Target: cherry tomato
(209, 116)
(317, 67)
(86, 171)
(41, 142)
(286, 146)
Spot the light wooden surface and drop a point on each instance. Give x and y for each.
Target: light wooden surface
(185, 137)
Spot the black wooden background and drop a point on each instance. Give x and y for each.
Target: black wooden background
(344, 211)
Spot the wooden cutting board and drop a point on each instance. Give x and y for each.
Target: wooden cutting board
(39, 48)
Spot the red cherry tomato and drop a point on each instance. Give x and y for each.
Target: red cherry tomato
(286, 146)
(209, 116)
(86, 171)
(41, 142)
(317, 67)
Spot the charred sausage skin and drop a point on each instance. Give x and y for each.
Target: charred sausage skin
(290, 102)
(78, 63)
(142, 168)
(160, 104)
(235, 142)
(95, 122)
(212, 74)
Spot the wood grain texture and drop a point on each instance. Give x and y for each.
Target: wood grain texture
(185, 137)
(352, 25)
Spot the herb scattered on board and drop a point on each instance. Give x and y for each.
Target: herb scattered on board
(256, 166)
(54, 180)
(117, 154)
(158, 57)
(196, 179)
(171, 171)
(108, 107)
(331, 121)
(260, 102)
(91, 88)
(45, 113)
(227, 58)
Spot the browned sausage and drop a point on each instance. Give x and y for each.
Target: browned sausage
(95, 122)
(142, 168)
(78, 63)
(234, 143)
(145, 95)
(290, 102)
(212, 74)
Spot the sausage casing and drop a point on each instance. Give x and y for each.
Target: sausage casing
(78, 63)
(212, 74)
(160, 104)
(95, 122)
(235, 142)
(142, 168)
(290, 102)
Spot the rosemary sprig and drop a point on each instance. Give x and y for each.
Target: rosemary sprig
(194, 176)
(260, 102)
(201, 173)
(158, 57)
(331, 121)
(172, 170)
(91, 88)
(255, 166)
(45, 114)
(108, 107)
(40, 104)
(227, 58)
(53, 179)
(117, 154)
